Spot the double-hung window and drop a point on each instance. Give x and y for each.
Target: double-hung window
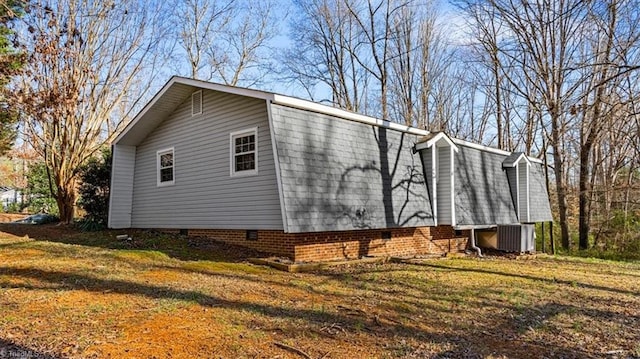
(166, 167)
(244, 152)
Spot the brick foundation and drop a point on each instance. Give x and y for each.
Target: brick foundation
(326, 246)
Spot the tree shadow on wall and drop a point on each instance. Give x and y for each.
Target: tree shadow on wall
(359, 180)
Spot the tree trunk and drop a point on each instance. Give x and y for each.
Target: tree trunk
(584, 195)
(547, 183)
(558, 163)
(496, 78)
(66, 200)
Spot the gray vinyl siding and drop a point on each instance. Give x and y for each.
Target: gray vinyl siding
(539, 198)
(512, 177)
(338, 174)
(443, 186)
(204, 194)
(482, 192)
(121, 193)
(523, 194)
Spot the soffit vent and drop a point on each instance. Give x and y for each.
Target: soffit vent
(196, 103)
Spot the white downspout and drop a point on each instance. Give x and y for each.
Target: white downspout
(473, 243)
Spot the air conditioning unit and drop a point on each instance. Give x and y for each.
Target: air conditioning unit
(517, 238)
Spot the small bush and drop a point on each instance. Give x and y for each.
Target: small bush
(94, 192)
(90, 226)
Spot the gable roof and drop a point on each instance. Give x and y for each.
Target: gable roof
(433, 138)
(178, 89)
(513, 159)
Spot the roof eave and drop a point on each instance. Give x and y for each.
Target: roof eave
(337, 112)
(434, 140)
(193, 83)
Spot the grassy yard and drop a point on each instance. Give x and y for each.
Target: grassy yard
(64, 294)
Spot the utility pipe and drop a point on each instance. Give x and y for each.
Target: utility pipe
(473, 243)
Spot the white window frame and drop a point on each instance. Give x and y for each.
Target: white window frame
(197, 94)
(232, 152)
(159, 167)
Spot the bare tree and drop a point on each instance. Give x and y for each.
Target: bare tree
(242, 58)
(324, 38)
(85, 56)
(198, 24)
(374, 26)
(420, 65)
(613, 36)
(543, 41)
(487, 31)
(567, 60)
(225, 41)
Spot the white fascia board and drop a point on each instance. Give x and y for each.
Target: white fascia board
(146, 108)
(520, 158)
(474, 226)
(421, 146)
(224, 88)
(480, 147)
(525, 158)
(333, 111)
(490, 149)
(195, 83)
(433, 141)
(303, 105)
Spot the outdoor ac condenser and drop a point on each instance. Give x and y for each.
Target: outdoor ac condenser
(517, 238)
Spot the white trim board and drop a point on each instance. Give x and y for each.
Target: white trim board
(296, 103)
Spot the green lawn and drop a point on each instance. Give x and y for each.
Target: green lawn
(87, 295)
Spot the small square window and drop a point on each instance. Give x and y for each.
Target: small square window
(252, 235)
(386, 235)
(166, 167)
(244, 152)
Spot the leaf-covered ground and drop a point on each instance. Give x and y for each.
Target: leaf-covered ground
(64, 294)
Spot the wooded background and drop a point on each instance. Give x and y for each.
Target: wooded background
(557, 80)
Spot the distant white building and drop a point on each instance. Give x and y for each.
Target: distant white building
(9, 196)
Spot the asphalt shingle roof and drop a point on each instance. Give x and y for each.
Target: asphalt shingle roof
(342, 175)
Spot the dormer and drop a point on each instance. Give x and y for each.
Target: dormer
(517, 166)
(439, 167)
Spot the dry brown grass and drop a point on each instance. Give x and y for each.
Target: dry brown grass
(84, 296)
(10, 217)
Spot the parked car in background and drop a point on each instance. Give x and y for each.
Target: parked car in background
(40, 218)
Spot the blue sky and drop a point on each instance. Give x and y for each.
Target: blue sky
(451, 22)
